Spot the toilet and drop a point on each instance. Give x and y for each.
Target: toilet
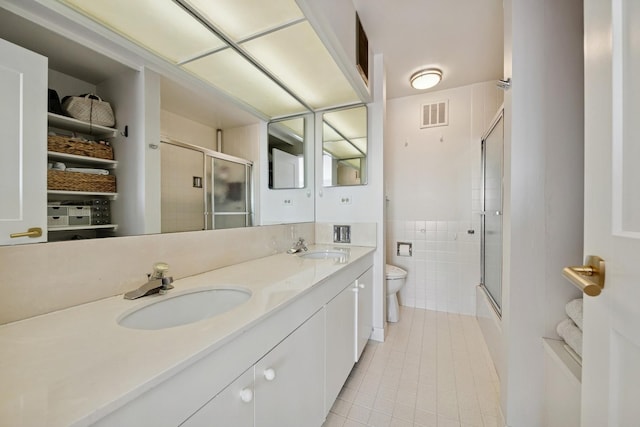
(395, 277)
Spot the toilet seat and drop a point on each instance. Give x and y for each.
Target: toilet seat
(393, 272)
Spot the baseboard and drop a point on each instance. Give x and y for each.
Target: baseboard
(377, 334)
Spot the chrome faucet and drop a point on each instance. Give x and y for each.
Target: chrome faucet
(157, 283)
(298, 246)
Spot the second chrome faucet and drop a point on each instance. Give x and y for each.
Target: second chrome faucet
(158, 282)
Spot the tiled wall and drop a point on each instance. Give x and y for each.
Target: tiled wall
(444, 268)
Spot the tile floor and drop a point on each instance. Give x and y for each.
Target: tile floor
(434, 369)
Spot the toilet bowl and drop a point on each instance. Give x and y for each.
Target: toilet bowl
(395, 277)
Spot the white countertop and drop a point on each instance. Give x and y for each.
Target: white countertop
(60, 368)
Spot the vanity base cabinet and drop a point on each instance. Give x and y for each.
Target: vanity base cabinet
(364, 311)
(283, 389)
(288, 380)
(233, 406)
(309, 346)
(340, 340)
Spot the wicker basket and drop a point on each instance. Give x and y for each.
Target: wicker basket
(77, 181)
(68, 145)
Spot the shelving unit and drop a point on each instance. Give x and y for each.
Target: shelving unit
(64, 123)
(74, 125)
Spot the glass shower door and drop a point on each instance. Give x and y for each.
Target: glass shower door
(229, 195)
(491, 223)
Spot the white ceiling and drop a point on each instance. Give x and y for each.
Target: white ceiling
(461, 37)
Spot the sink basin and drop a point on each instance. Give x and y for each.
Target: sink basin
(324, 255)
(184, 308)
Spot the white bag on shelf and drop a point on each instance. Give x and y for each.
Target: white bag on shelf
(89, 108)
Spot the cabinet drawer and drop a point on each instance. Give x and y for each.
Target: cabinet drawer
(79, 210)
(57, 221)
(79, 220)
(57, 211)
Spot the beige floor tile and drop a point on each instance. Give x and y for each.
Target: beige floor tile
(379, 419)
(359, 413)
(433, 370)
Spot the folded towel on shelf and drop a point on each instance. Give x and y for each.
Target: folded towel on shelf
(59, 166)
(571, 335)
(89, 170)
(574, 311)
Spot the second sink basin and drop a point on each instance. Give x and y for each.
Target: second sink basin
(324, 254)
(185, 308)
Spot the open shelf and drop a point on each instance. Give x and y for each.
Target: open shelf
(75, 125)
(107, 164)
(555, 348)
(82, 227)
(111, 196)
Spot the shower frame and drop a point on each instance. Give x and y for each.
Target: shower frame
(495, 300)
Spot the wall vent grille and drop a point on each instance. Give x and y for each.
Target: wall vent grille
(434, 114)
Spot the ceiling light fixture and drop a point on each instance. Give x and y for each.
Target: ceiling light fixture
(425, 79)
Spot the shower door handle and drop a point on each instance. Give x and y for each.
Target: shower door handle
(498, 213)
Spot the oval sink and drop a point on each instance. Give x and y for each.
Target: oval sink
(185, 308)
(324, 255)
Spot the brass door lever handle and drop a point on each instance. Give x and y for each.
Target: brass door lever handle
(589, 278)
(32, 232)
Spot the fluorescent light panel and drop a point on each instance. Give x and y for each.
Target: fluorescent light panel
(239, 19)
(233, 74)
(158, 25)
(296, 56)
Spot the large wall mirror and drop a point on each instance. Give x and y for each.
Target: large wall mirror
(286, 153)
(344, 147)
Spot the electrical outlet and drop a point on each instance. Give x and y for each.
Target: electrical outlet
(345, 200)
(287, 202)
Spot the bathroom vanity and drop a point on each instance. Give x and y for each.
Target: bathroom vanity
(263, 363)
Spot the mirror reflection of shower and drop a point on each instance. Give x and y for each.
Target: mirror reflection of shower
(202, 189)
(491, 221)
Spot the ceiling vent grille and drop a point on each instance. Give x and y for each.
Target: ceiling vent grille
(435, 114)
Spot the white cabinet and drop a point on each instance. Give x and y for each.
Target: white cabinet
(288, 380)
(23, 130)
(233, 406)
(287, 387)
(364, 311)
(340, 341)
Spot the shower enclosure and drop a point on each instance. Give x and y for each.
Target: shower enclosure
(491, 214)
(203, 189)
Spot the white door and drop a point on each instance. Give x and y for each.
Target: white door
(23, 133)
(611, 346)
(285, 169)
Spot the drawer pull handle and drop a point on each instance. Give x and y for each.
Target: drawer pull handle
(269, 374)
(246, 395)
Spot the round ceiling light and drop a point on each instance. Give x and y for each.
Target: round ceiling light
(425, 79)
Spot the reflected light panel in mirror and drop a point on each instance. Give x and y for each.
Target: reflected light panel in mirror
(239, 19)
(297, 57)
(345, 146)
(236, 76)
(158, 25)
